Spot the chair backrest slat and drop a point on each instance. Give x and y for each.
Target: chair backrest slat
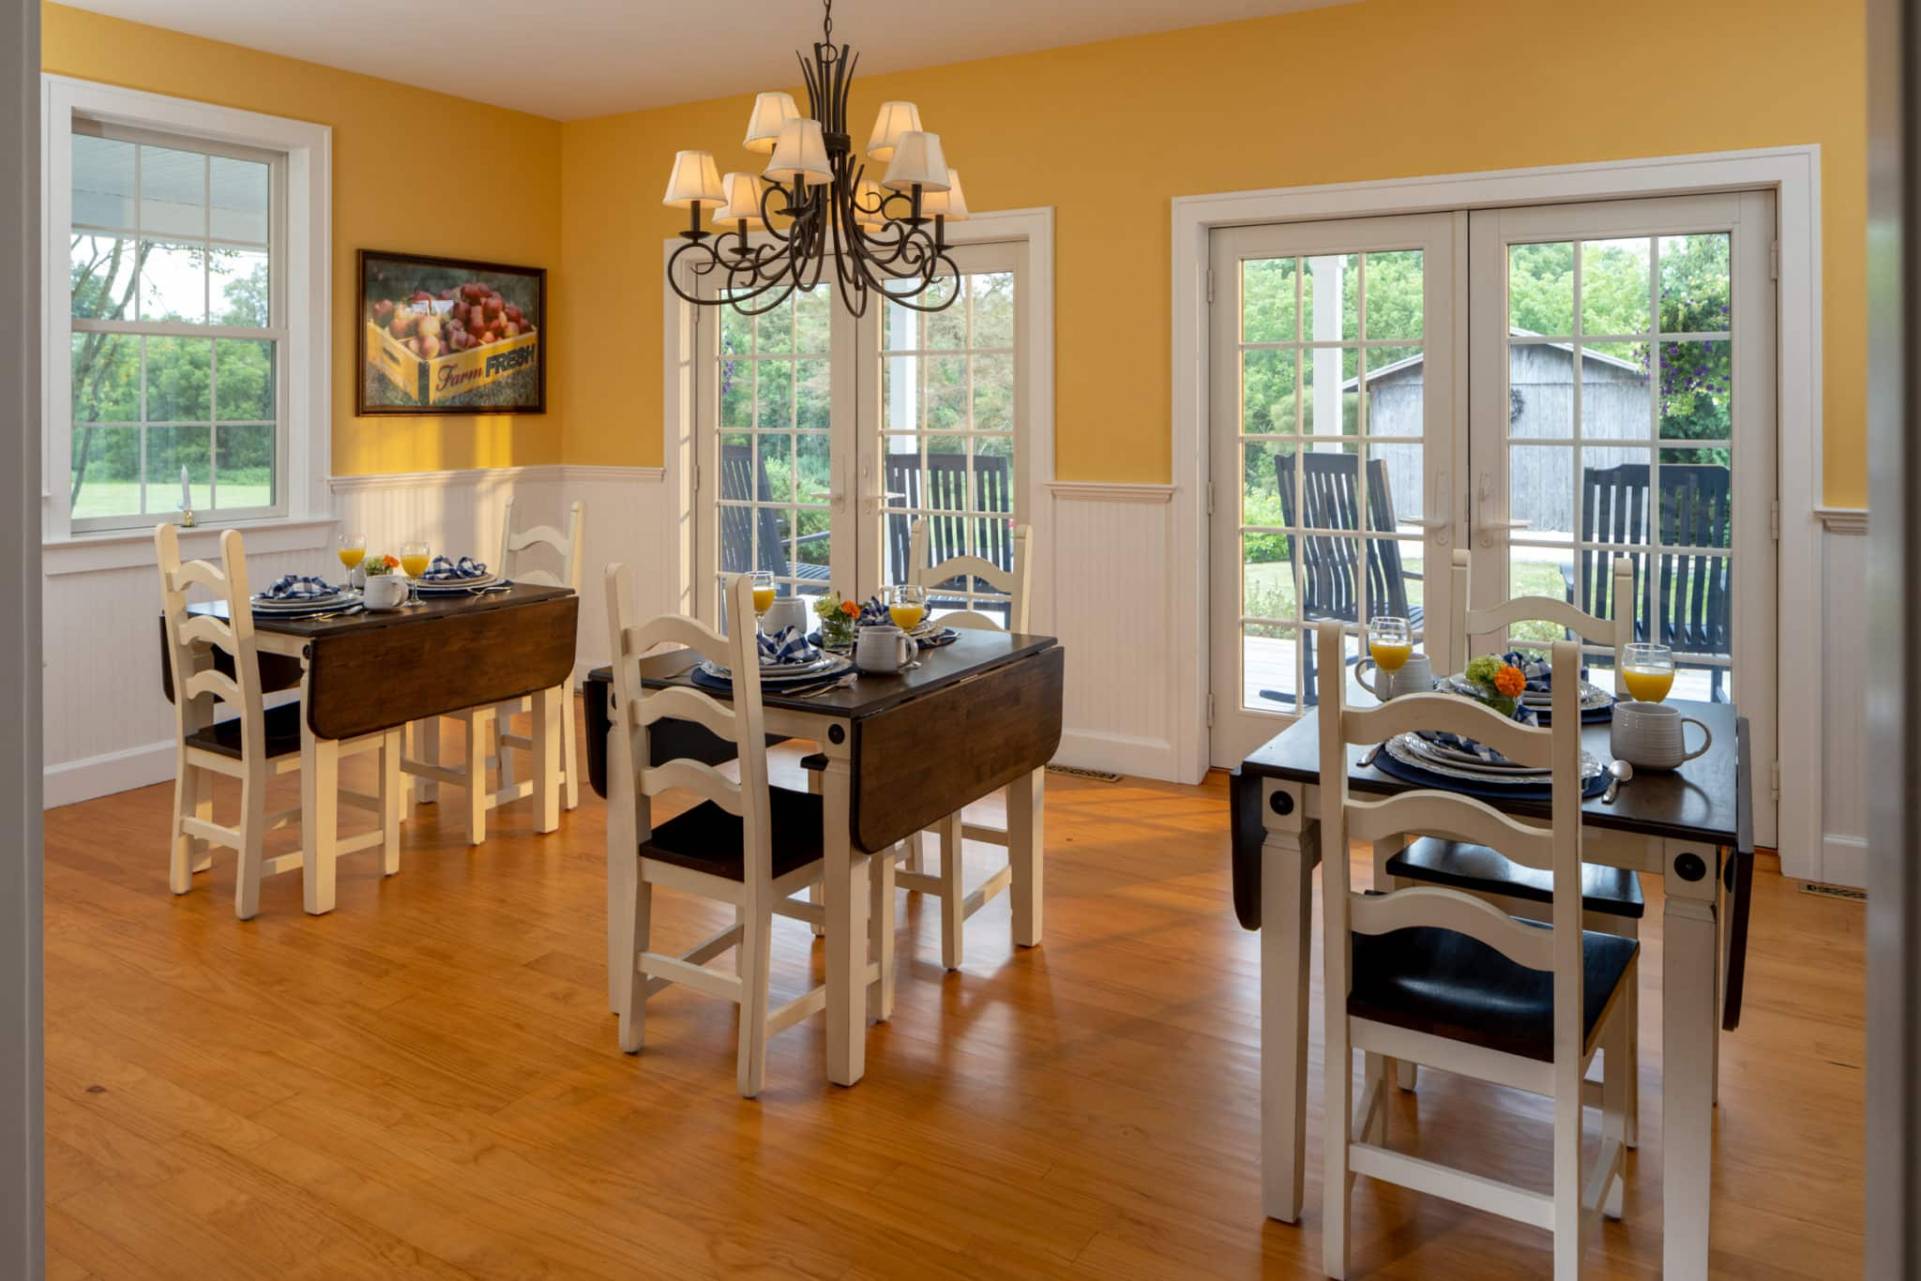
(633, 777)
(565, 546)
(194, 641)
(1558, 948)
(1014, 579)
(1478, 626)
(1333, 565)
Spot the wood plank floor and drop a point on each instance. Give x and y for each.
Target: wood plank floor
(425, 1084)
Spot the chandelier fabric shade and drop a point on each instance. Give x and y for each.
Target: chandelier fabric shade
(950, 204)
(800, 154)
(742, 204)
(917, 162)
(893, 120)
(772, 111)
(875, 222)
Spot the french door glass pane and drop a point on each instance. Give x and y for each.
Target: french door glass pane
(948, 411)
(775, 412)
(1645, 357)
(1332, 371)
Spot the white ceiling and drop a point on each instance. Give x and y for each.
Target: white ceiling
(573, 58)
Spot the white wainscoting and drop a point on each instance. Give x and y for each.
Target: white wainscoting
(1108, 598)
(1844, 674)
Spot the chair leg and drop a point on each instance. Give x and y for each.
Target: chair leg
(202, 856)
(953, 864)
(503, 725)
(756, 941)
(478, 724)
(569, 750)
(1337, 1111)
(917, 853)
(1377, 1069)
(253, 839)
(180, 854)
(631, 997)
(1568, 1241)
(817, 892)
(880, 934)
(1630, 1060)
(1616, 1079)
(392, 789)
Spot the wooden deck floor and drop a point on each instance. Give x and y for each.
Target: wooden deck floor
(425, 1084)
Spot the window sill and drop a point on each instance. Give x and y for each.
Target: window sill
(133, 548)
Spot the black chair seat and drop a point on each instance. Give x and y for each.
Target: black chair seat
(283, 734)
(709, 839)
(1447, 984)
(1611, 891)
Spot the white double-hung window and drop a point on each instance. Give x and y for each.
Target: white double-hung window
(185, 301)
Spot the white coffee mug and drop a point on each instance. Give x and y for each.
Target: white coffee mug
(1416, 676)
(787, 611)
(1654, 735)
(883, 648)
(384, 592)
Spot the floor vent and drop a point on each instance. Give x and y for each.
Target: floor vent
(1834, 891)
(1098, 775)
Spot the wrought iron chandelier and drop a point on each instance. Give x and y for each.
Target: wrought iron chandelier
(814, 202)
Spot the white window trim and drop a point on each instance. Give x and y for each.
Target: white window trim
(308, 285)
(1031, 228)
(1792, 173)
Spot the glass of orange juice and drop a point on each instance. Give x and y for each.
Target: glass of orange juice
(763, 592)
(414, 559)
(907, 605)
(1390, 640)
(1648, 672)
(352, 550)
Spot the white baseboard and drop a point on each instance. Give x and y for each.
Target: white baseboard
(1844, 861)
(1118, 753)
(130, 767)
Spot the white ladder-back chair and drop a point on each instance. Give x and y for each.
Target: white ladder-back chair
(255, 745)
(1611, 896)
(1437, 976)
(487, 733)
(957, 902)
(745, 843)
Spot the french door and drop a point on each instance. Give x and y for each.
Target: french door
(820, 437)
(1548, 388)
(1623, 405)
(1333, 385)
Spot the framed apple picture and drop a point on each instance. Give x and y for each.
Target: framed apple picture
(450, 336)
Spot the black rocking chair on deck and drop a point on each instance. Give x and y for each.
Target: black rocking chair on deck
(1330, 587)
(1697, 510)
(945, 501)
(742, 482)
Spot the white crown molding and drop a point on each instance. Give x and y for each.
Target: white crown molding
(1090, 491)
(1843, 520)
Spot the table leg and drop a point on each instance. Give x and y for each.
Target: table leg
(845, 872)
(1026, 839)
(319, 818)
(1287, 930)
(546, 764)
(1689, 1025)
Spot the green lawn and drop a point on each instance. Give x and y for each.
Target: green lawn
(122, 497)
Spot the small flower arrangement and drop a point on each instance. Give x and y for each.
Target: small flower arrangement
(837, 620)
(376, 565)
(1496, 683)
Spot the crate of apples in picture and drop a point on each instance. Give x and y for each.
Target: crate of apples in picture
(466, 345)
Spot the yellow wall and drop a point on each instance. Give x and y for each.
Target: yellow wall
(1108, 133)
(413, 171)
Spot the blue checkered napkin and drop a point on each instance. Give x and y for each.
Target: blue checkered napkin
(786, 647)
(466, 569)
(873, 613)
(299, 587)
(1525, 715)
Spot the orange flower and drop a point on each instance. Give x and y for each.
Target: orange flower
(850, 609)
(1508, 682)
(392, 562)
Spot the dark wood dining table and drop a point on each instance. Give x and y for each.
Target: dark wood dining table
(895, 754)
(361, 673)
(1692, 827)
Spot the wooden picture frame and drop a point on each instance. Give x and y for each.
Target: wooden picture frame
(440, 336)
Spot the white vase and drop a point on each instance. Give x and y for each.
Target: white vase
(384, 592)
